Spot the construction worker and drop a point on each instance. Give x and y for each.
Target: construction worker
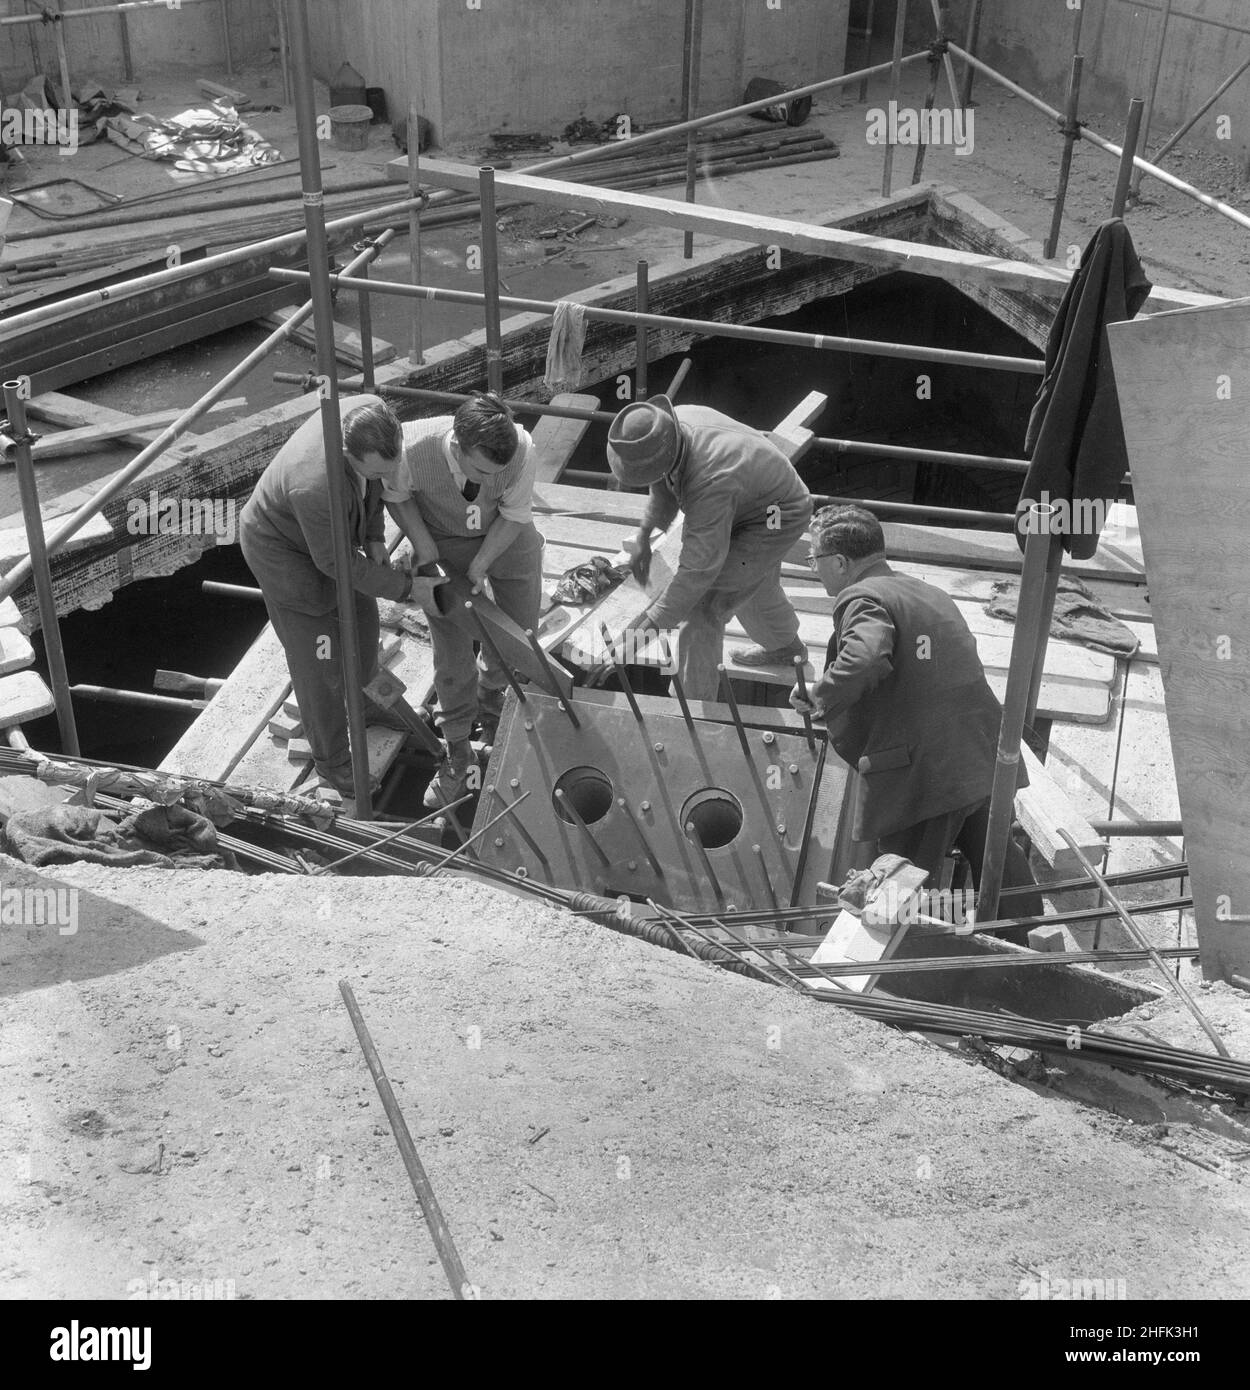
(463, 498)
(906, 703)
(285, 534)
(744, 507)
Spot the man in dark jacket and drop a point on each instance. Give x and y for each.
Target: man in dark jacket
(906, 703)
(286, 537)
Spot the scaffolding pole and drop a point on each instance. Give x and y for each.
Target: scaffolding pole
(1148, 115)
(331, 429)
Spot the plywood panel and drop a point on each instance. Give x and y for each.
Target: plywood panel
(1183, 393)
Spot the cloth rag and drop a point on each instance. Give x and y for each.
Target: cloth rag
(1078, 616)
(168, 837)
(564, 351)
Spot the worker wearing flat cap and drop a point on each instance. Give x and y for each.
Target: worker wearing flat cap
(285, 533)
(744, 507)
(906, 703)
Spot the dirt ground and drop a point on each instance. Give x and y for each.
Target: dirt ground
(599, 1118)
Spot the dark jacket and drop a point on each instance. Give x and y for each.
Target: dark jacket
(906, 702)
(1075, 440)
(284, 529)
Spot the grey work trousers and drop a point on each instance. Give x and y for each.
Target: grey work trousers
(311, 643)
(749, 588)
(516, 581)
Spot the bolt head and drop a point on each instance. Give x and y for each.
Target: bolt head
(514, 782)
(659, 747)
(794, 767)
(633, 866)
(644, 806)
(498, 842)
(770, 739)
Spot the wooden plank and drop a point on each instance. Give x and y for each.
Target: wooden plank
(16, 653)
(1186, 424)
(556, 437)
(1060, 699)
(348, 344)
(957, 267)
(71, 443)
(998, 550)
(14, 545)
(624, 506)
(1042, 809)
(57, 408)
(24, 696)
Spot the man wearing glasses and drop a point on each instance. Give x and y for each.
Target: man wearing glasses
(463, 497)
(906, 703)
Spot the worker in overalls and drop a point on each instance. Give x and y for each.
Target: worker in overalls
(287, 541)
(744, 507)
(464, 500)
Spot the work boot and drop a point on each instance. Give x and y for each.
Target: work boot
(775, 656)
(451, 781)
(489, 710)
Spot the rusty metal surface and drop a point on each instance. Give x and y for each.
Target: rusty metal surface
(667, 773)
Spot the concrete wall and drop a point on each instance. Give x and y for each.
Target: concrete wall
(1030, 41)
(188, 37)
(539, 66)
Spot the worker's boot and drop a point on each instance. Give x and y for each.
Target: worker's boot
(451, 781)
(489, 711)
(775, 656)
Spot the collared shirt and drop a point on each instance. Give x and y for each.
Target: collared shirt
(515, 502)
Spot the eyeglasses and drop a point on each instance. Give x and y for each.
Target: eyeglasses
(818, 555)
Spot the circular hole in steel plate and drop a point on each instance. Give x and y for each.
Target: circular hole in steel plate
(717, 816)
(589, 792)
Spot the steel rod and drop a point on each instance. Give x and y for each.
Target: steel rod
(490, 279)
(895, 67)
(331, 429)
(753, 772)
(824, 342)
(610, 648)
(416, 344)
(970, 43)
(366, 330)
(800, 680)
(62, 54)
(867, 37)
(365, 849)
(227, 55)
(1148, 829)
(124, 7)
(1007, 765)
(448, 1256)
(929, 98)
(758, 852)
(932, 964)
(1046, 611)
(18, 575)
(1132, 126)
(939, 8)
(939, 457)
(1144, 942)
(1148, 114)
(510, 809)
(1071, 133)
(679, 690)
(575, 818)
(656, 867)
(113, 696)
(993, 521)
(32, 517)
(418, 393)
(1152, 875)
(544, 663)
(1233, 214)
(673, 933)
(694, 52)
(220, 590)
(1193, 120)
(642, 303)
(488, 643)
(520, 829)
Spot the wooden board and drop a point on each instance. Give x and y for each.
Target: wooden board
(57, 408)
(1042, 808)
(1186, 420)
(957, 267)
(348, 344)
(70, 443)
(16, 653)
(998, 550)
(24, 696)
(556, 437)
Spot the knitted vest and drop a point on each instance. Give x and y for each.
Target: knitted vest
(443, 509)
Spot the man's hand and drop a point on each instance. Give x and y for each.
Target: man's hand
(376, 551)
(476, 574)
(423, 592)
(639, 550)
(802, 706)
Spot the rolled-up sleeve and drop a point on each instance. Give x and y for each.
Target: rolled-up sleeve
(705, 543)
(661, 507)
(864, 659)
